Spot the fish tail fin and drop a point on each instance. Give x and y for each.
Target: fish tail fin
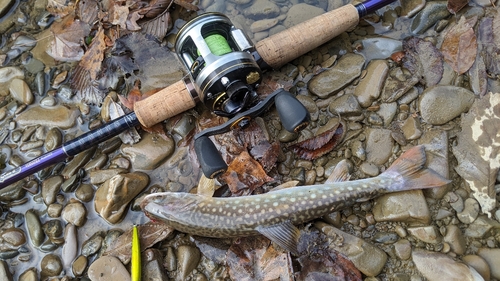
(410, 171)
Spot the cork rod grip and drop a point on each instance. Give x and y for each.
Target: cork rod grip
(166, 103)
(289, 44)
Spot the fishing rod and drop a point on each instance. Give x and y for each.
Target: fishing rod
(224, 69)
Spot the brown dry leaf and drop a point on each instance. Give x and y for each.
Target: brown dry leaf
(459, 46)
(321, 144)
(456, 5)
(254, 258)
(187, 4)
(424, 60)
(68, 37)
(489, 42)
(149, 234)
(244, 173)
(60, 8)
(94, 56)
(87, 10)
(477, 149)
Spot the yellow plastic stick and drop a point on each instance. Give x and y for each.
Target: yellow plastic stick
(136, 256)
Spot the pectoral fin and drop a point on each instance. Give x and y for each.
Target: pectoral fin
(285, 234)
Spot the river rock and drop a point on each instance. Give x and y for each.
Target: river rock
(402, 249)
(9, 73)
(436, 147)
(455, 239)
(481, 226)
(114, 195)
(70, 247)
(409, 206)
(366, 257)
(262, 25)
(427, 234)
(470, 211)
(75, 213)
(13, 236)
(433, 12)
(30, 274)
(379, 145)
(479, 264)
(437, 267)
(411, 8)
(262, 9)
(330, 81)
(440, 104)
(188, 258)
(369, 87)
(378, 48)
(300, 13)
(108, 268)
(34, 226)
(492, 257)
(411, 128)
(20, 91)
(150, 152)
(57, 116)
(5, 274)
(50, 266)
(346, 105)
(50, 189)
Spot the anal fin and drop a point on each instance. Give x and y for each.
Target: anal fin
(285, 234)
(340, 173)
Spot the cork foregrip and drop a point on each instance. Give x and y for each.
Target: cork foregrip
(166, 103)
(289, 44)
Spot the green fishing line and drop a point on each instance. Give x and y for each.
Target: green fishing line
(217, 45)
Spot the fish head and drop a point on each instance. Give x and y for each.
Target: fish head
(168, 206)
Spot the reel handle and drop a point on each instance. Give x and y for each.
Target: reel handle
(293, 115)
(164, 104)
(295, 41)
(211, 161)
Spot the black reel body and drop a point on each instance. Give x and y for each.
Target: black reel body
(224, 73)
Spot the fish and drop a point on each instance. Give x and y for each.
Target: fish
(274, 214)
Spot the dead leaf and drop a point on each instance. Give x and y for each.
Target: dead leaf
(488, 39)
(60, 8)
(478, 76)
(254, 258)
(459, 46)
(456, 5)
(477, 149)
(424, 60)
(149, 234)
(68, 37)
(87, 10)
(244, 173)
(321, 144)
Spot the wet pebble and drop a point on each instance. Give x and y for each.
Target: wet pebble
(85, 192)
(188, 258)
(79, 265)
(53, 139)
(75, 213)
(70, 247)
(50, 189)
(5, 274)
(385, 238)
(331, 81)
(437, 266)
(34, 227)
(262, 25)
(411, 128)
(378, 48)
(369, 169)
(100, 176)
(440, 104)
(114, 195)
(481, 226)
(301, 12)
(346, 105)
(13, 236)
(50, 266)
(426, 18)
(108, 268)
(262, 9)
(408, 206)
(411, 8)
(93, 244)
(57, 116)
(153, 265)
(20, 91)
(150, 152)
(29, 275)
(369, 87)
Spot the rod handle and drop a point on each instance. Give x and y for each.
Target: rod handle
(164, 104)
(295, 41)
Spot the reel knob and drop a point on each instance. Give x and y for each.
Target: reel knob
(293, 115)
(211, 161)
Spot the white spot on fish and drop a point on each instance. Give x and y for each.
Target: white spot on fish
(366, 186)
(247, 216)
(275, 204)
(292, 199)
(313, 196)
(337, 191)
(349, 188)
(324, 196)
(257, 206)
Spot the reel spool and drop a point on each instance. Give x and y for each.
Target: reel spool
(223, 74)
(222, 69)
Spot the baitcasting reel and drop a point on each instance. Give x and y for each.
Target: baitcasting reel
(224, 71)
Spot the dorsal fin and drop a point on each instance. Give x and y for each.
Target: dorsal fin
(340, 172)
